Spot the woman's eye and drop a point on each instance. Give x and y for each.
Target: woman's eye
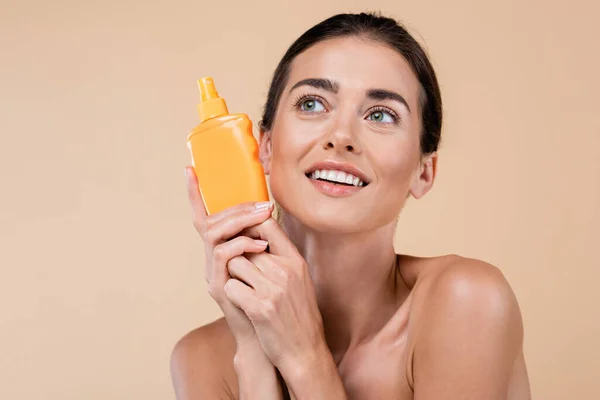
(382, 116)
(312, 105)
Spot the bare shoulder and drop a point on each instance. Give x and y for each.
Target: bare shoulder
(464, 311)
(453, 277)
(202, 363)
(469, 287)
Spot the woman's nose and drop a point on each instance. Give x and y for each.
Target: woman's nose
(342, 138)
(340, 146)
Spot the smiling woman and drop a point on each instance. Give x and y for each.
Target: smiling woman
(350, 130)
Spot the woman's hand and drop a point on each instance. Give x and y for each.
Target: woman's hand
(221, 248)
(277, 293)
(257, 377)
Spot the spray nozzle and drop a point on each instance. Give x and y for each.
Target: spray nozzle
(211, 105)
(207, 89)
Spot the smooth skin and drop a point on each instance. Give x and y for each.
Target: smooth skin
(331, 309)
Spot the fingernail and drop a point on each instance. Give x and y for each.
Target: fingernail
(186, 172)
(261, 242)
(262, 206)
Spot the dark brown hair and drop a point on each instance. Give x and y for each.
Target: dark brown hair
(383, 30)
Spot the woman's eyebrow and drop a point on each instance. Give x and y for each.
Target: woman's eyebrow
(333, 87)
(319, 83)
(382, 94)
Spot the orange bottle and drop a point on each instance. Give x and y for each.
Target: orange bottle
(224, 154)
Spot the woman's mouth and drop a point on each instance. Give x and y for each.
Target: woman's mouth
(336, 183)
(336, 177)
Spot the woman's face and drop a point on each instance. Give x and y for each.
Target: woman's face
(350, 110)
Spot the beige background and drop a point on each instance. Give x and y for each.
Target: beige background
(101, 270)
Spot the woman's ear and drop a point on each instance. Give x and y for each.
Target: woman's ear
(425, 176)
(265, 149)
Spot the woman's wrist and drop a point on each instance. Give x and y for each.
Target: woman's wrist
(257, 377)
(315, 378)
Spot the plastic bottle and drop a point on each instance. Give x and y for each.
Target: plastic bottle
(224, 154)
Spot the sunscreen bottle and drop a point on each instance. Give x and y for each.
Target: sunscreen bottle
(224, 154)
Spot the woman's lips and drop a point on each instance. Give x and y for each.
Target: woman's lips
(335, 190)
(331, 165)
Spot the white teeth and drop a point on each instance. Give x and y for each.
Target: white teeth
(337, 176)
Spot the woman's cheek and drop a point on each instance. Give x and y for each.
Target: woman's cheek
(395, 176)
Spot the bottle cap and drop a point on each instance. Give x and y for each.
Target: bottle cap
(211, 105)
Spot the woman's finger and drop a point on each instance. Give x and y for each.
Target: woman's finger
(243, 270)
(236, 223)
(223, 253)
(267, 264)
(242, 296)
(232, 212)
(271, 231)
(198, 210)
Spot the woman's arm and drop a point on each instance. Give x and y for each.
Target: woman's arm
(316, 379)
(206, 365)
(468, 335)
(257, 377)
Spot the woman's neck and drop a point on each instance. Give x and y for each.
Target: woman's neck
(356, 280)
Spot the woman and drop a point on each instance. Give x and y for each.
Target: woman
(350, 131)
